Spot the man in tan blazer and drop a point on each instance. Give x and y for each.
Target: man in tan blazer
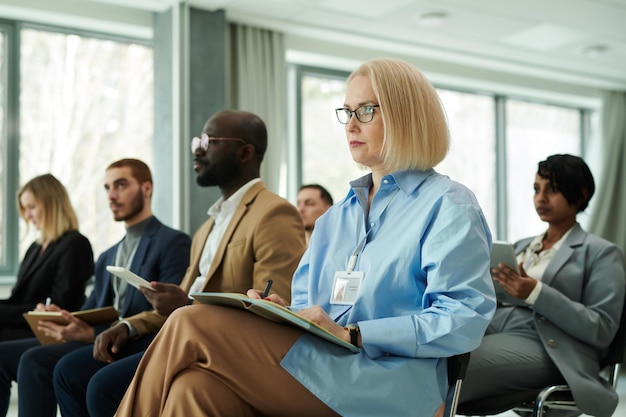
(251, 236)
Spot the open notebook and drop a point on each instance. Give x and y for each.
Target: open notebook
(270, 311)
(93, 317)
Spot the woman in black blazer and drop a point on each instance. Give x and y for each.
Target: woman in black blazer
(57, 265)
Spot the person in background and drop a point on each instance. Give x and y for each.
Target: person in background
(411, 245)
(556, 318)
(56, 266)
(149, 248)
(313, 201)
(251, 236)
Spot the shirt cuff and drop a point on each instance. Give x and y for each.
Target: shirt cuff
(132, 332)
(534, 294)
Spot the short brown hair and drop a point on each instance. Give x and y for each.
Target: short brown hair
(139, 170)
(415, 126)
(58, 215)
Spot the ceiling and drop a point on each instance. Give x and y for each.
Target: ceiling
(576, 41)
(578, 38)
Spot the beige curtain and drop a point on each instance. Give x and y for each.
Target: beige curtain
(609, 216)
(258, 85)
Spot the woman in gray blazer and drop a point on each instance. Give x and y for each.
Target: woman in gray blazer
(556, 318)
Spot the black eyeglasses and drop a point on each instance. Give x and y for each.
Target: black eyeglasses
(364, 114)
(205, 140)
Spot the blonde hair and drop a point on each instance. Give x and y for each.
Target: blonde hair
(415, 127)
(58, 215)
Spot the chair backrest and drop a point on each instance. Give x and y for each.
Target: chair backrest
(457, 367)
(616, 351)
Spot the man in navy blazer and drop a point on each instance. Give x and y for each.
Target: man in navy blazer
(149, 248)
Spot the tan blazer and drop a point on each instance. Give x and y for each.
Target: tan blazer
(264, 240)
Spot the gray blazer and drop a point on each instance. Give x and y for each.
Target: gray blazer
(577, 314)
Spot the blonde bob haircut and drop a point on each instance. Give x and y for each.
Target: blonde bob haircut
(415, 128)
(58, 215)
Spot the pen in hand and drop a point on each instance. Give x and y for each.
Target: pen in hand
(266, 291)
(48, 302)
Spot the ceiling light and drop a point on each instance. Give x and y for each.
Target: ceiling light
(592, 50)
(432, 19)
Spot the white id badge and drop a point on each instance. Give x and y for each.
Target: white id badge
(346, 287)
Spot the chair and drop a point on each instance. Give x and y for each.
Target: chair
(554, 397)
(457, 365)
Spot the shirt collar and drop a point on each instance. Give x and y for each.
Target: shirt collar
(233, 201)
(537, 243)
(136, 230)
(407, 181)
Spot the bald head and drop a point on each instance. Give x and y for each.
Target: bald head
(239, 124)
(230, 152)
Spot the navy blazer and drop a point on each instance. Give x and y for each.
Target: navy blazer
(60, 272)
(162, 255)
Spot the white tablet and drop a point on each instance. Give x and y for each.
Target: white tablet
(503, 252)
(130, 277)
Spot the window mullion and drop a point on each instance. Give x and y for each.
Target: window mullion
(501, 169)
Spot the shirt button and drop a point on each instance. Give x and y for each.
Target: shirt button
(372, 224)
(386, 181)
(551, 343)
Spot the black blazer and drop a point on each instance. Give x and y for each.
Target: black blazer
(61, 272)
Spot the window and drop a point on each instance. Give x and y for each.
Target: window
(325, 155)
(84, 102)
(534, 132)
(471, 159)
(3, 146)
(495, 145)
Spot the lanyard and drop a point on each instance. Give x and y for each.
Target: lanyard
(361, 245)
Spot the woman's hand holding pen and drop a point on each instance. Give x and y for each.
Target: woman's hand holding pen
(264, 295)
(316, 313)
(48, 306)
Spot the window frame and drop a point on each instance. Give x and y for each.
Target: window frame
(10, 77)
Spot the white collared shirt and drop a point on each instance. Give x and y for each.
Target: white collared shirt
(222, 212)
(535, 264)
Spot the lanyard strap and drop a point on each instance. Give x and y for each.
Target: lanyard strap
(361, 245)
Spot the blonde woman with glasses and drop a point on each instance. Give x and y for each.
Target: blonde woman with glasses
(398, 269)
(56, 266)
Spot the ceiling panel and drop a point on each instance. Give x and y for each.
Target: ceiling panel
(540, 34)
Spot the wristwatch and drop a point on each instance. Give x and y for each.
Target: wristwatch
(354, 334)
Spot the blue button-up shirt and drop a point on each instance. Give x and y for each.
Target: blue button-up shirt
(426, 294)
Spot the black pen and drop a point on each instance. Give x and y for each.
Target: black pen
(266, 292)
